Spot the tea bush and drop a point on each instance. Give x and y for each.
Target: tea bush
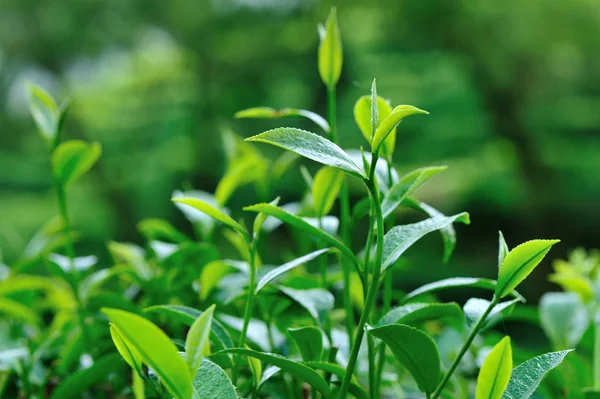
(175, 319)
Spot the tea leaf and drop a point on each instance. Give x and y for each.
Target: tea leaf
(271, 113)
(325, 189)
(156, 350)
(519, 263)
(382, 169)
(415, 313)
(73, 158)
(400, 238)
(564, 318)
(127, 351)
(364, 118)
(197, 339)
(330, 52)
(260, 219)
(476, 307)
(241, 172)
(213, 212)
(309, 341)
(44, 111)
(317, 301)
(414, 350)
(159, 229)
(527, 376)
(311, 146)
(387, 125)
(201, 219)
(297, 370)
(408, 184)
(211, 381)
(18, 311)
(495, 372)
(355, 388)
(502, 249)
(278, 271)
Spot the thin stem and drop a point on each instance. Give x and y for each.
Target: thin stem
(249, 304)
(465, 347)
(371, 357)
(375, 281)
(596, 357)
(331, 100)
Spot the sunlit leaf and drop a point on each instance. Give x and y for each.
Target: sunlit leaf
(197, 339)
(363, 118)
(73, 158)
(330, 52)
(44, 111)
(387, 125)
(495, 372)
(325, 189)
(127, 351)
(211, 211)
(271, 113)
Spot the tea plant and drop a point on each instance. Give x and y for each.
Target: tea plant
(242, 328)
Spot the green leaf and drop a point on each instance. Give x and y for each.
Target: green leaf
(317, 301)
(387, 125)
(325, 189)
(131, 255)
(527, 376)
(156, 350)
(18, 311)
(75, 384)
(278, 271)
(355, 388)
(455, 282)
(311, 146)
(415, 313)
(159, 229)
(283, 164)
(73, 158)
(330, 52)
(295, 369)
(476, 307)
(242, 171)
(363, 115)
(297, 222)
(127, 351)
(309, 341)
(400, 238)
(197, 339)
(213, 212)
(495, 372)
(211, 381)
(564, 318)
(271, 113)
(44, 111)
(502, 249)
(204, 222)
(260, 219)
(519, 263)
(408, 184)
(415, 350)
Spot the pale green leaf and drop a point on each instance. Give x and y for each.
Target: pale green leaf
(363, 115)
(415, 313)
(127, 351)
(475, 307)
(44, 111)
(73, 158)
(211, 381)
(325, 189)
(564, 318)
(387, 125)
(495, 372)
(197, 339)
(502, 249)
(213, 212)
(271, 113)
(330, 52)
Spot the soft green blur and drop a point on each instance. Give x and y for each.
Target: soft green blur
(513, 88)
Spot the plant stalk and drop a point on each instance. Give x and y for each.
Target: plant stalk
(465, 347)
(596, 361)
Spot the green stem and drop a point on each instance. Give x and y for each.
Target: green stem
(249, 305)
(465, 347)
(375, 280)
(596, 357)
(331, 100)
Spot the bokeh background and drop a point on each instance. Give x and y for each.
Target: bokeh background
(513, 88)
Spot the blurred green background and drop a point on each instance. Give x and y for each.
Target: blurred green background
(513, 88)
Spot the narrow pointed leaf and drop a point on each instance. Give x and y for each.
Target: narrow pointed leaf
(260, 219)
(325, 189)
(527, 376)
(311, 146)
(127, 351)
(295, 369)
(400, 238)
(73, 158)
(44, 111)
(387, 125)
(414, 350)
(271, 113)
(156, 350)
(197, 339)
(416, 313)
(309, 341)
(278, 271)
(502, 249)
(519, 263)
(211, 211)
(211, 381)
(495, 372)
(330, 52)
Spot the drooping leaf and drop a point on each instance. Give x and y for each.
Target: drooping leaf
(330, 52)
(476, 307)
(44, 111)
(75, 384)
(197, 339)
(156, 350)
(400, 238)
(295, 369)
(297, 222)
(564, 318)
(387, 125)
(325, 189)
(211, 381)
(519, 263)
(202, 220)
(127, 351)
(311, 146)
(271, 113)
(211, 211)
(317, 301)
(495, 372)
(527, 376)
(415, 313)
(408, 184)
(502, 249)
(73, 158)
(278, 271)
(309, 341)
(414, 350)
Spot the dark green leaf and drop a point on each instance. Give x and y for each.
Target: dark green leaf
(309, 341)
(317, 301)
(73, 158)
(455, 282)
